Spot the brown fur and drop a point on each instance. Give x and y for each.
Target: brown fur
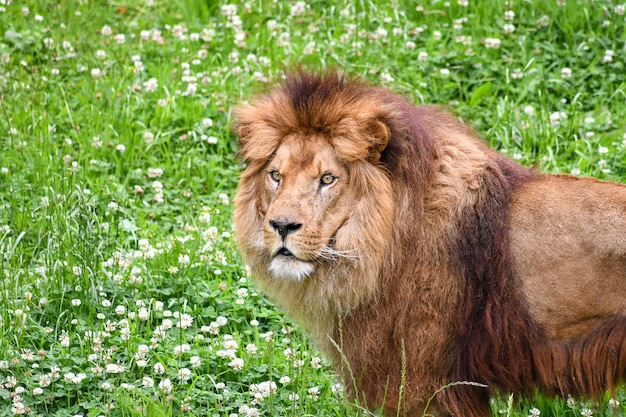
(431, 259)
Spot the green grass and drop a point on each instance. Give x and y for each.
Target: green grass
(121, 291)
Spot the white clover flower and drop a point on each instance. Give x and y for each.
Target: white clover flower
(125, 333)
(184, 259)
(492, 43)
(571, 403)
(313, 392)
(159, 369)
(309, 48)
(185, 321)
(264, 389)
(155, 172)
(236, 364)
(338, 389)
(386, 77)
(78, 378)
(316, 363)
(96, 73)
(268, 336)
(142, 350)
(205, 217)
(64, 339)
(180, 349)
(195, 361)
(19, 408)
(223, 198)
(184, 374)
(76, 302)
(45, 380)
(230, 344)
(566, 73)
(165, 386)
(150, 86)
(556, 117)
(298, 8)
(143, 314)
(114, 368)
(146, 381)
(534, 412)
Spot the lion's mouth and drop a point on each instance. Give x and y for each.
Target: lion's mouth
(285, 252)
(286, 265)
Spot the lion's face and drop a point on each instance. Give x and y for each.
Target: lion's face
(307, 199)
(315, 205)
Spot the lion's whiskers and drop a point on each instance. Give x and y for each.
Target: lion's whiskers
(330, 253)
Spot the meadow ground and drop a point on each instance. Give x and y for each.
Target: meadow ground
(121, 291)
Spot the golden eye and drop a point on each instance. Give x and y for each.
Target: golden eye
(275, 175)
(327, 179)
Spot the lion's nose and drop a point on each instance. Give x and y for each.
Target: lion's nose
(284, 227)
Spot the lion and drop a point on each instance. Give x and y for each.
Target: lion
(432, 270)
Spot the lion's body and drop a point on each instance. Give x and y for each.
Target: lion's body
(391, 232)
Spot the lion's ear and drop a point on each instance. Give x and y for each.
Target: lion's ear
(380, 135)
(257, 139)
(361, 139)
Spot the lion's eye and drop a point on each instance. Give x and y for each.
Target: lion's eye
(327, 179)
(275, 175)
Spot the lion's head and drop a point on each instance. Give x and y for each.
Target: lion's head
(314, 202)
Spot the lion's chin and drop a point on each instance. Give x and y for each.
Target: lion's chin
(289, 267)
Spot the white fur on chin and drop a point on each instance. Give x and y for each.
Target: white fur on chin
(290, 268)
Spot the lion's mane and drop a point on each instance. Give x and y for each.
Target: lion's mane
(431, 299)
